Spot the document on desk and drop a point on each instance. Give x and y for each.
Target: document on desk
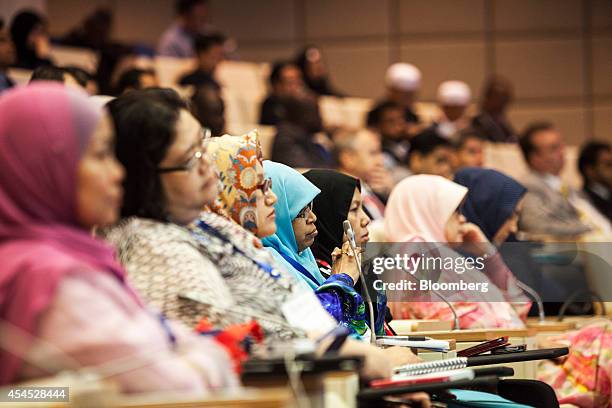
(415, 342)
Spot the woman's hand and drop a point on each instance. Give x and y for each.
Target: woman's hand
(414, 400)
(475, 241)
(378, 363)
(343, 261)
(400, 356)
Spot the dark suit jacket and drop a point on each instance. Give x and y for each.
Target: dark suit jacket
(603, 206)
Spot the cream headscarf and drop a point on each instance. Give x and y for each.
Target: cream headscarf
(419, 207)
(238, 161)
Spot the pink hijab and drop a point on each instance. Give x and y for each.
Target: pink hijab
(44, 130)
(419, 207)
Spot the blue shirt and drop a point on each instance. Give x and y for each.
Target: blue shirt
(176, 42)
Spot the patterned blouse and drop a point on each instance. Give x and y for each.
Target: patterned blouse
(212, 270)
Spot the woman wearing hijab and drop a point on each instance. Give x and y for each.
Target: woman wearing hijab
(60, 288)
(425, 209)
(31, 40)
(493, 203)
(340, 200)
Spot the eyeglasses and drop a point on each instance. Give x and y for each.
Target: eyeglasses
(197, 157)
(305, 212)
(265, 185)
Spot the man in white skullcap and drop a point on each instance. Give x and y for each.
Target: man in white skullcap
(453, 99)
(403, 81)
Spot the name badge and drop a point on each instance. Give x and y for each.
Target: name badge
(304, 311)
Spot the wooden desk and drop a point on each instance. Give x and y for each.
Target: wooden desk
(402, 326)
(252, 398)
(550, 326)
(264, 398)
(472, 334)
(327, 381)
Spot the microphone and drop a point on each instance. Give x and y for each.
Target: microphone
(536, 296)
(348, 230)
(451, 307)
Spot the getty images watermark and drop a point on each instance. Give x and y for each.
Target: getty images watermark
(427, 264)
(414, 272)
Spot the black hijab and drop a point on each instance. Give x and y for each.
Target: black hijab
(331, 207)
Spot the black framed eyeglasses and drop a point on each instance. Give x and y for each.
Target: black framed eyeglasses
(305, 212)
(197, 157)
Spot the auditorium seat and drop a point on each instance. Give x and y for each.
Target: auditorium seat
(266, 135)
(243, 87)
(247, 77)
(241, 108)
(80, 57)
(508, 159)
(169, 69)
(344, 112)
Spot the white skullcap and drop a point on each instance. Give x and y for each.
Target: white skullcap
(454, 93)
(403, 76)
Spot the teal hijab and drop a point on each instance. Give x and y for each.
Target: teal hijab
(294, 192)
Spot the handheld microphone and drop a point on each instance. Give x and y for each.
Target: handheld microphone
(348, 230)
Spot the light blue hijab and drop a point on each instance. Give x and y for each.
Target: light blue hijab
(294, 192)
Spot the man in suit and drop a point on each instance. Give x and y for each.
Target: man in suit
(548, 207)
(359, 154)
(595, 165)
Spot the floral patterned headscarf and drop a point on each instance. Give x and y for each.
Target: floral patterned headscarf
(239, 162)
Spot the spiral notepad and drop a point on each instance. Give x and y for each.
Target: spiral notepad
(432, 366)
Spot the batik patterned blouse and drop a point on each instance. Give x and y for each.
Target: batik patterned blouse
(190, 274)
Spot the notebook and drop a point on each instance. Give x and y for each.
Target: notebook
(400, 380)
(432, 366)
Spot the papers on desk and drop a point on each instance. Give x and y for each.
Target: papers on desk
(413, 341)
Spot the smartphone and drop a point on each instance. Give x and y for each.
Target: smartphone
(509, 349)
(339, 335)
(483, 347)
